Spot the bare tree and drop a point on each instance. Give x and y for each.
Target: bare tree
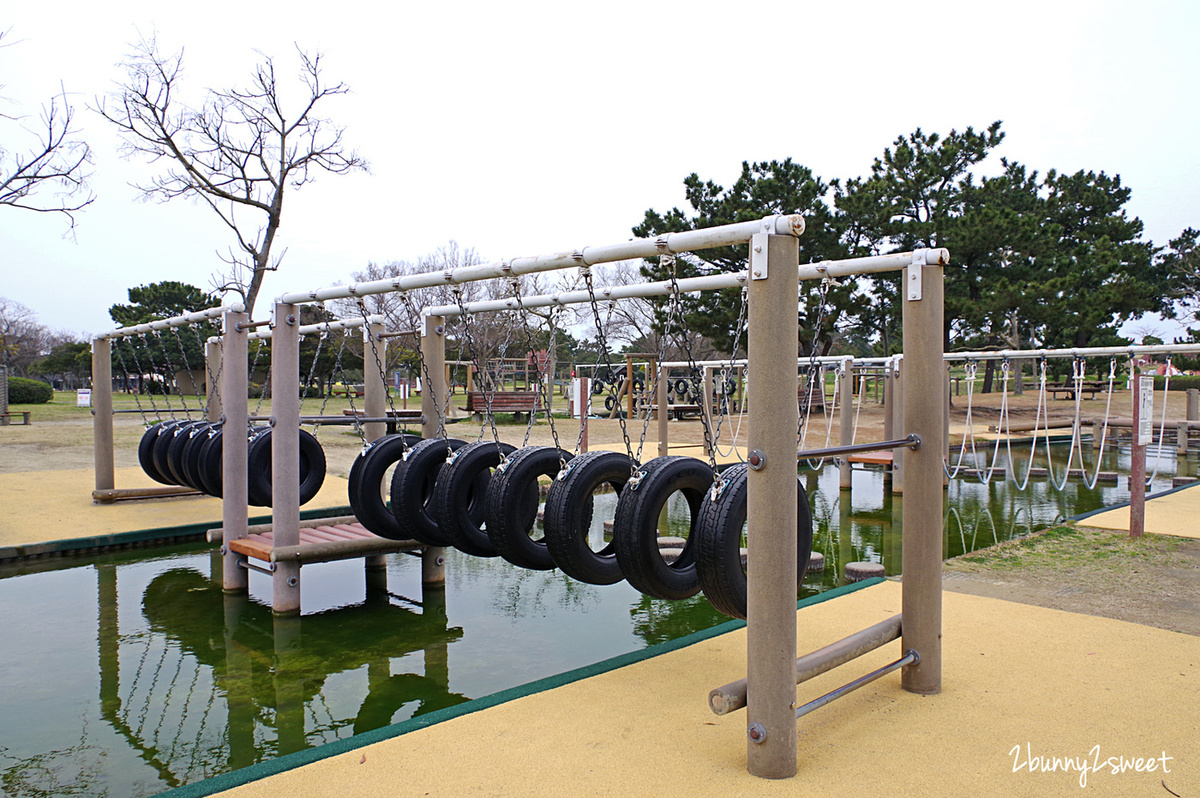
(238, 152)
(51, 174)
(22, 339)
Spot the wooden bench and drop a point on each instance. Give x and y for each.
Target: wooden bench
(6, 418)
(503, 402)
(677, 410)
(398, 415)
(1087, 389)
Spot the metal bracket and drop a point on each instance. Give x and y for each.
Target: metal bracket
(913, 279)
(758, 256)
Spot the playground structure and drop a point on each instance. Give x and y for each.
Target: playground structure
(771, 614)
(772, 418)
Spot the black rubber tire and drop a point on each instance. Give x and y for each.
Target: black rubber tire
(638, 383)
(163, 446)
(610, 402)
(718, 542)
(367, 474)
(210, 466)
(635, 527)
(412, 490)
(146, 450)
(460, 496)
(258, 467)
(681, 387)
(189, 454)
(598, 387)
(568, 516)
(510, 510)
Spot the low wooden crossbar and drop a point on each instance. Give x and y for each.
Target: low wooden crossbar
(7, 417)
(732, 696)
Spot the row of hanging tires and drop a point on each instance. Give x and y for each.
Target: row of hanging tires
(189, 453)
(677, 387)
(483, 499)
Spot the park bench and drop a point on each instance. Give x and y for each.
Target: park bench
(7, 417)
(1088, 388)
(503, 402)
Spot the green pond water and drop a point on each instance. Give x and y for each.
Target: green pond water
(130, 673)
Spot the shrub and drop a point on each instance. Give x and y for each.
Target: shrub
(1178, 383)
(28, 392)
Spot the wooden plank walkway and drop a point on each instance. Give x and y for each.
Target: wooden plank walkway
(332, 542)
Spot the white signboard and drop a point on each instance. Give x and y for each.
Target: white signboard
(83, 397)
(1146, 412)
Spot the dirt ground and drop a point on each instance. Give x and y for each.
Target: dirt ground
(1155, 581)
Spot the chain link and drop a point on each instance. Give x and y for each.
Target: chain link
(601, 339)
(116, 345)
(812, 377)
(543, 391)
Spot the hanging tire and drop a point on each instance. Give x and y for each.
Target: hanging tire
(598, 387)
(610, 402)
(183, 455)
(258, 466)
(718, 542)
(681, 387)
(635, 527)
(568, 516)
(460, 495)
(210, 466)
(162, 450)
(146, 450)
(367, 474)
(510, 510)
(412, 490)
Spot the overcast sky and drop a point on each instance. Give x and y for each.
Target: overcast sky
(523, 128)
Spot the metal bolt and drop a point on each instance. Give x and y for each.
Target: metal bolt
(758, 272)
(756, 733)
(291, 319)
(441, 560)
(440, 329)
(757, 460)
(758, 247)
(292, 581)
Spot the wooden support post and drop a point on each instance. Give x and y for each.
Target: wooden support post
(1193, 404)
(771, 566)
(846, 420)
(434, 396)
(234, 485)
(1143, 434)
(212, 366)
(374, 386)
(285, 455)
(922, 386)
(1181, 437)
(102, 415)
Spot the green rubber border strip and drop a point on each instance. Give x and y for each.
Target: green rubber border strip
(119, 539)
(262, 770)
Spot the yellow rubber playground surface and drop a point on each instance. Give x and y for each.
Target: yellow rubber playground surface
(1023, 685)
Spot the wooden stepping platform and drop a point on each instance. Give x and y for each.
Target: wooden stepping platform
(321, 544)
(872, 458)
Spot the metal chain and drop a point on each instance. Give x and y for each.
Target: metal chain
(694, 376)
(149, 393)
(187, 365)
(473, 349)
(171, 370)
(312, 370)
(737, 341)
(214, 381)
(603, 342)
(543, 392)
(340, 368)
(125, 369)
(379, 364)
(812, 376)
(414, 320)
(262, 389)
(673, 312)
